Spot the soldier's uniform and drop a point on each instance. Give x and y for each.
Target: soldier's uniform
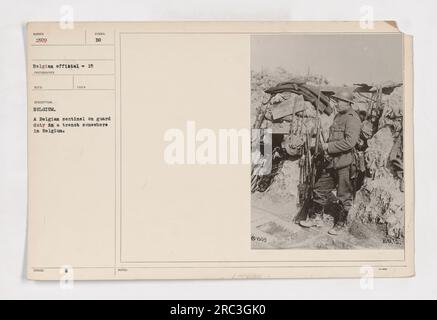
(340, 149)
(343, 136)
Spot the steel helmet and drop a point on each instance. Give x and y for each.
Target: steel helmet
(344, 95)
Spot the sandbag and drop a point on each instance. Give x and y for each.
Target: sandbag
(287, 107)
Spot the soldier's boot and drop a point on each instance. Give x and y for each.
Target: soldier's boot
(314, 220)
(339, 227)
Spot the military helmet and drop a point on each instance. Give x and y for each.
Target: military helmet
(344, 95)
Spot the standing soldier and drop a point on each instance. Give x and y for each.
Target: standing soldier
(343, 136)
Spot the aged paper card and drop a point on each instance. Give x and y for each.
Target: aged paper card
(219, 150)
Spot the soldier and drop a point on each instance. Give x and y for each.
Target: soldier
(343, 136)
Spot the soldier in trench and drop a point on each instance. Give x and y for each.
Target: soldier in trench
(338, 173)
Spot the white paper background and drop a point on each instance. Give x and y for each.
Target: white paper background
(413, 18)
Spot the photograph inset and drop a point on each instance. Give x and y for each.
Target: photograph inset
(327, 141)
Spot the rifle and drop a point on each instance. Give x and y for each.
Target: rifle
(375, 104)
(312, 163)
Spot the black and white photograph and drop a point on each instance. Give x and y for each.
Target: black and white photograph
(327, 141)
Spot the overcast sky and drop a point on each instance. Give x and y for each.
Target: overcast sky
(343, 59)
